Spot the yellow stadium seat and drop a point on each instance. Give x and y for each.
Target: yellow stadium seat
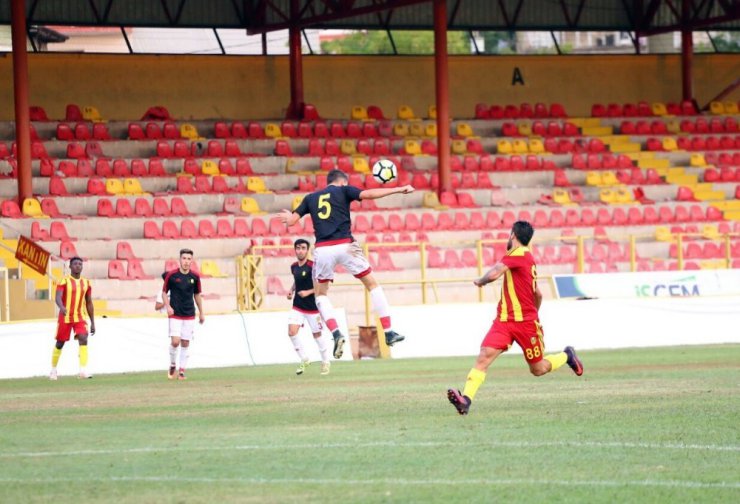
(189, 131)
(412, 147)
(524, 128)
(464, 130)
(697, 159)
(710, 232)
(536, 146)
(458, 147)
(405, 112)
(272, 130)
(132, 186)
(663, 233)
(731, 107)
(717, 108)
(669, 144)
(431, 200)
(210, 168)
(250, 206)
(359, 113)
(296, 201)
(256, 184)
(561, 197)
(114, 186)
(348, 147)
(360, 164)
(416, 129)
(32, 208)
(659, 109)
(210, 268)
(623, 195)
(430, 130)
(504, 147)
(607, 196)
(90, 113)
(520, 146)
(432, 112)
(401, 129)
(673, 126)
(609, 178)
(593, 178)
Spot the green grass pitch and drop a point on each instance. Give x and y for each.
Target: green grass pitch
(641, 425)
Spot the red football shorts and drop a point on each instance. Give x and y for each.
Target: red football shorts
(64, 329)
(528, 335)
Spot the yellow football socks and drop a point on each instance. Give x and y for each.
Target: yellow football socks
(476, 378)
(55, 356)
(83, 356)
(557, 360)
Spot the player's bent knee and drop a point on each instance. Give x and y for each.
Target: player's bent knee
(538, 368)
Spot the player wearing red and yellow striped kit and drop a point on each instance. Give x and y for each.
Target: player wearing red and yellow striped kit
(73, 298)
(517, 319)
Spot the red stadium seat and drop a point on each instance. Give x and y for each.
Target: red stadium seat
(123, 208)
(58, 231)
(188, 229)
(116, 270)
(179, 207)
(96, 186)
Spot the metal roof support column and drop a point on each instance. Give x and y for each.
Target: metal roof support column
(687, 54)
(295, 109)
(442, 92)
(20, 95)
(687, 57)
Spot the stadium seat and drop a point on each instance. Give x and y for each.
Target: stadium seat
(178, 207)
(32, 208)
(250, 206)
(58, 231)
(151, 231)
(114, 186)
(124, 208)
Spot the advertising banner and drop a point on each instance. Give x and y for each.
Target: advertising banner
(649, 284)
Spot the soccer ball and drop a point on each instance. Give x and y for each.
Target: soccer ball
(385, 171)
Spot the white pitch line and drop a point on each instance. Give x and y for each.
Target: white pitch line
(383, 444)
(384, 481)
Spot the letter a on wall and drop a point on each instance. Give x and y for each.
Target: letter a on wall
(517, 78)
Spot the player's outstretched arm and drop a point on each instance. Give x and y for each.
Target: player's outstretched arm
(537, 297)
(288, 218)
(382, 192)
(492, 275)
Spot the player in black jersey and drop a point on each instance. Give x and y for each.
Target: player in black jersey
(304, 308)
(181, 287)
(329, 210)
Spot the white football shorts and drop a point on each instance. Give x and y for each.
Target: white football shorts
(182, 328)
(349, 255)
(312, 319)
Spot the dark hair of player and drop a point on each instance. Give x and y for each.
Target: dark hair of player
(301, 241)
(75, 258)
(185, 251)
(523, 231)
(335, 175)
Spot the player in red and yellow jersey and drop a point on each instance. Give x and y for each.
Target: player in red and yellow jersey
(73, 298)
(517, 319)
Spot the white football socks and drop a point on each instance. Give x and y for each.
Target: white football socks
(173, 355)
(327, 312)
(381, 307)
(184, 353)
(323, 348)
(298, 345)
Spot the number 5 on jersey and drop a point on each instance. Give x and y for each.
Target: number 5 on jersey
(324, 206)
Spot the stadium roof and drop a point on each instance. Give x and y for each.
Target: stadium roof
(645, 17)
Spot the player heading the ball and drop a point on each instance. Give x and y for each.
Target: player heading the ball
(335, 245)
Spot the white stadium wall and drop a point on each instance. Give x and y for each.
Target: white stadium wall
(140, 344)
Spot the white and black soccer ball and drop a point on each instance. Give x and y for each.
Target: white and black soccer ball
(385, 171)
